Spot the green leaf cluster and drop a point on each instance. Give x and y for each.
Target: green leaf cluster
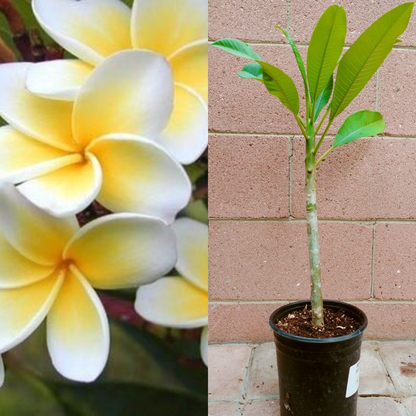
(325, 85)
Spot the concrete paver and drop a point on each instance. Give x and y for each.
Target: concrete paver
(263, 408)
(410, 405)
(374, 379)
(224, 409)
(227, 371)
(399, 357)
(263, 377)
(243, 379)
(379, 406)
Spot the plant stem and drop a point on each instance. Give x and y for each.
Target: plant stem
(322, 137)
(323, 118)
(324, 156)
(18, 29)
(200, 193)
(312, 222)
(309, 110)
(13, 17)
(300, 124)
(6, 54)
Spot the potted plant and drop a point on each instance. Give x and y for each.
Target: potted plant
(318, 341)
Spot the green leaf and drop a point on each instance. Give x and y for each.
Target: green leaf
(237, 47)
(360, 124)
(136, 356)
(277, 82)
(252, 71)
(366, 55)
(281, 86)
(197, 210)
(176, 377)
(325, 48)
(196, 171)
(323, 97)
(297, 56)
(188, 347)
(117, 399)
(23, 394)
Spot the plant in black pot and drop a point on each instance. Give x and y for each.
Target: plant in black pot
(318, 341)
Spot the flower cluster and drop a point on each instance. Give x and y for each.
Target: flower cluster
(115, 124)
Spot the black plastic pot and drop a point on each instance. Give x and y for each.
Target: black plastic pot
(318, 377)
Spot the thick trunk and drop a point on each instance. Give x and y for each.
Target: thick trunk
(313, 244)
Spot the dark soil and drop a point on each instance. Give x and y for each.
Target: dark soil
(337, 324)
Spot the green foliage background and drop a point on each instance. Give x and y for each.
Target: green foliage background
(151, 373)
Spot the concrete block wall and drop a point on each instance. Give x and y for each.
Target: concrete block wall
(366, 190)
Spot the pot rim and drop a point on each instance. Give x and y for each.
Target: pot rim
(332, 303)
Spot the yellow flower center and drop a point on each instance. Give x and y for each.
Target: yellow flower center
(64, 265)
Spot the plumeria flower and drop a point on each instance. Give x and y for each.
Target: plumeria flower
(49, 267)
(182, 302)
(63, 155)
(95, 29)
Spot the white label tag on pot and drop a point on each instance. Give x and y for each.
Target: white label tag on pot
(353, 379)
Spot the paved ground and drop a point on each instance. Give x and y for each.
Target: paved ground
(243, 379)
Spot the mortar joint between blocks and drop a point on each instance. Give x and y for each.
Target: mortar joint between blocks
(373, 261)
(274, 134)
(299, 43)
(303, 220)
(216, 302)
(291, 177)
(289, 15)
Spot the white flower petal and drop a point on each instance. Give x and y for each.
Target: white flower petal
(204, 345)
(78, 333)
(90, 30)
(23, 158)
(139, 176)
(192, 238)
(66, 191)
(30, 230)
(23, 310)
(186, 135)
(123, 250)
(16, 270)
(49, 121)
(190, 67)
(164, 26)
(173, 302)
(130, 92)
(59, 79)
